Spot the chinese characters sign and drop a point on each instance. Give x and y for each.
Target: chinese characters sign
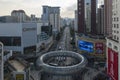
(112, 64)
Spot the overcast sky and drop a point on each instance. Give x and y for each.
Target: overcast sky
(35, 6)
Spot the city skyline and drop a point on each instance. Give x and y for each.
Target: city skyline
(35, 6)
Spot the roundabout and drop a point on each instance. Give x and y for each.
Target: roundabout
(61, 62)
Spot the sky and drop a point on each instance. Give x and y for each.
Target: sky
(67, 7)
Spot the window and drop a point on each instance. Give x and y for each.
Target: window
(114, 36)
(114, 25)
(11, 41)
(117, 19)
(44, 11)
(117, 38)
(117, 25)
(110, 45)
(115, 47)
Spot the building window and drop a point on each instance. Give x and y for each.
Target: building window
(44, 11)
(114, 36)
(114, 25)
(114, 31)
(109, 44)
(115, 47)
(11, 41)
(117, 38)
(117, 25)
(117, 19)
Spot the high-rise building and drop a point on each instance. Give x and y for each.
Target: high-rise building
(81, 14)
(1, 62)
(86, 7)
(8, 19)
(100, 20)
(113, 44)
(20, 15)
(108, 17)
(88, 17)
(75, 21)
(93, 16)
(52, 16)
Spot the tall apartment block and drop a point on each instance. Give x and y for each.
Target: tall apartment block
(100, 21)
(113, 44)
(108, 17)
(1, 62)
(52, 16)
(82, 16)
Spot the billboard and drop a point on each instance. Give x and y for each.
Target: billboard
(19, 76)
(86, 46)
(112, 67)
(99, 47)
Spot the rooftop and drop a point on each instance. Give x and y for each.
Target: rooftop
(17, 65)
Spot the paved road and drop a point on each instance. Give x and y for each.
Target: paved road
(64, 41)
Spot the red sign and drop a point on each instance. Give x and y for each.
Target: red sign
(112, 69)
(99, 47)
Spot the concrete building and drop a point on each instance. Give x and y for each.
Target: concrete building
(88, 17)
(1, 62)
(20, 15)
(113, 44)
(100, 21)
(8, 19)
(63, 22)
(52, 16)
(82, 14)
(75, 21)
(20, 69)
(20, 37)
(108, 17)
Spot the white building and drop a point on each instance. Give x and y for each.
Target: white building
(20, 37)
(20, 15)
(113, 44)
(75, 21)
(52, 16)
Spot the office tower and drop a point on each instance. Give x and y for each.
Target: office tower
(81, 16)
(52, 16)
(75, 21)
(84, 19)
(20, 15)
(100, 21)
(108, 17)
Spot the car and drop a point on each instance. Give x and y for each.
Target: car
(59, 48)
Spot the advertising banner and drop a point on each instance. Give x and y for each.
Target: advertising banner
(99, 47)
(112, 69)
(86, 46)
